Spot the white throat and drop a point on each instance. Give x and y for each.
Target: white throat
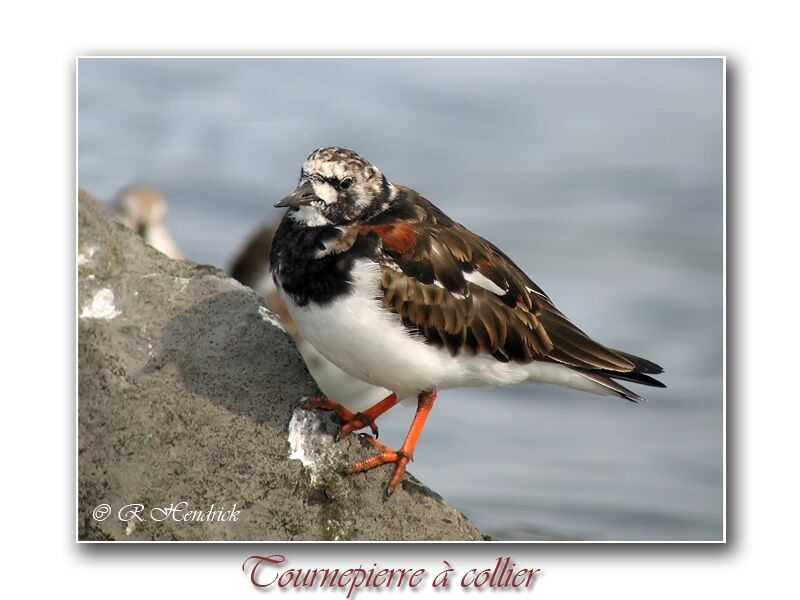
(309, 216)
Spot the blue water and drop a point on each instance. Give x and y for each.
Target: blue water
(602, 178)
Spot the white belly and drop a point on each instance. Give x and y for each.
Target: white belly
(370, 343)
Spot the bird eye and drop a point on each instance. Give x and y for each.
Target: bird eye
(346, 183)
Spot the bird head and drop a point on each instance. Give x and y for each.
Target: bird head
(337, 187)
(139, 207)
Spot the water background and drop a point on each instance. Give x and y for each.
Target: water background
(602, 178)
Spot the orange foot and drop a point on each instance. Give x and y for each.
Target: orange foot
(387, 455)
(353, 421)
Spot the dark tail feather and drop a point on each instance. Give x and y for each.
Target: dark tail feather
(606, 377)
(612, 385)
(642, 364)
(635, 378)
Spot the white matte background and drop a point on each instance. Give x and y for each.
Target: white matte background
(39, 44)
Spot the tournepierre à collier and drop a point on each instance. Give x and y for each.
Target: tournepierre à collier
(395, 293)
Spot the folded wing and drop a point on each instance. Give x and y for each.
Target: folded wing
(462, 293)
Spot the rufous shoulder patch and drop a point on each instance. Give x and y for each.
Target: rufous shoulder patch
(399, 237)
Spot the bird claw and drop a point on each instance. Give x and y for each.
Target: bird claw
(361, 420)
(386, 455)
(349, 421)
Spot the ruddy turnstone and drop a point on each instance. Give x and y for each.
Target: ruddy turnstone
(391, 290)
(143, 209)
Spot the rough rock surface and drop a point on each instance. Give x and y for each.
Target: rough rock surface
(187, 385)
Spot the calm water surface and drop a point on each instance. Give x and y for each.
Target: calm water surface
(601, 178)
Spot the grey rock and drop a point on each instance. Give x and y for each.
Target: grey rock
(186, 388)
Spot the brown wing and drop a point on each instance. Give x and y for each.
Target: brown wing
(462, 293)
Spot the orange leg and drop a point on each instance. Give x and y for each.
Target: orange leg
(354, 421)
(406, 453)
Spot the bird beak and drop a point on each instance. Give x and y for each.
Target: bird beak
(304, 194)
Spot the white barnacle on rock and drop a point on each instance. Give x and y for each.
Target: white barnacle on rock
(308, 443)
(101, 306)
(270, 318)
(85, 256)
(183, 282)
(130, 527)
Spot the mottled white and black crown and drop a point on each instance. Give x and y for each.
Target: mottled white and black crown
(337, 187)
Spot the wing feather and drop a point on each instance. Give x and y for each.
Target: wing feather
(428, 267)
